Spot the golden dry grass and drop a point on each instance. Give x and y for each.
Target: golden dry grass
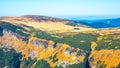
(56, 27)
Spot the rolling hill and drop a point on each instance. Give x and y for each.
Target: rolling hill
(45, 23)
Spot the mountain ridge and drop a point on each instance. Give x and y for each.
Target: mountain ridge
(101, 23)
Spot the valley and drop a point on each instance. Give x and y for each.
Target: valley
(46, 42)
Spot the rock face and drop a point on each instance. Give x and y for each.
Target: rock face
(105, 59)
(53, 53)
(1, 31)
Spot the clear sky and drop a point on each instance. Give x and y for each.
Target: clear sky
(59, 7)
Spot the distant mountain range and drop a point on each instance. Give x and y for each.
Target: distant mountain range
(105, 23)
(100, 23)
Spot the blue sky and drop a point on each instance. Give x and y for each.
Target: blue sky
(59, 7)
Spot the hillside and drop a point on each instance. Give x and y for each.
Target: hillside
(44, 42)
(53, 53)
(44, 23)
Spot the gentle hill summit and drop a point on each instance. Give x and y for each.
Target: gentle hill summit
(34, 18)
(45, 23)
(45, 18)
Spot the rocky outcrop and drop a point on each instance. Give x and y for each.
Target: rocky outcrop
(54, 53)
(105, 59)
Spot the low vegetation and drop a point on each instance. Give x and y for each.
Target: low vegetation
(46, 48)
(9, 58)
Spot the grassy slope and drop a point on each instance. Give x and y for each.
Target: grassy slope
(108, 43)
(72, 40)
(80, 40)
